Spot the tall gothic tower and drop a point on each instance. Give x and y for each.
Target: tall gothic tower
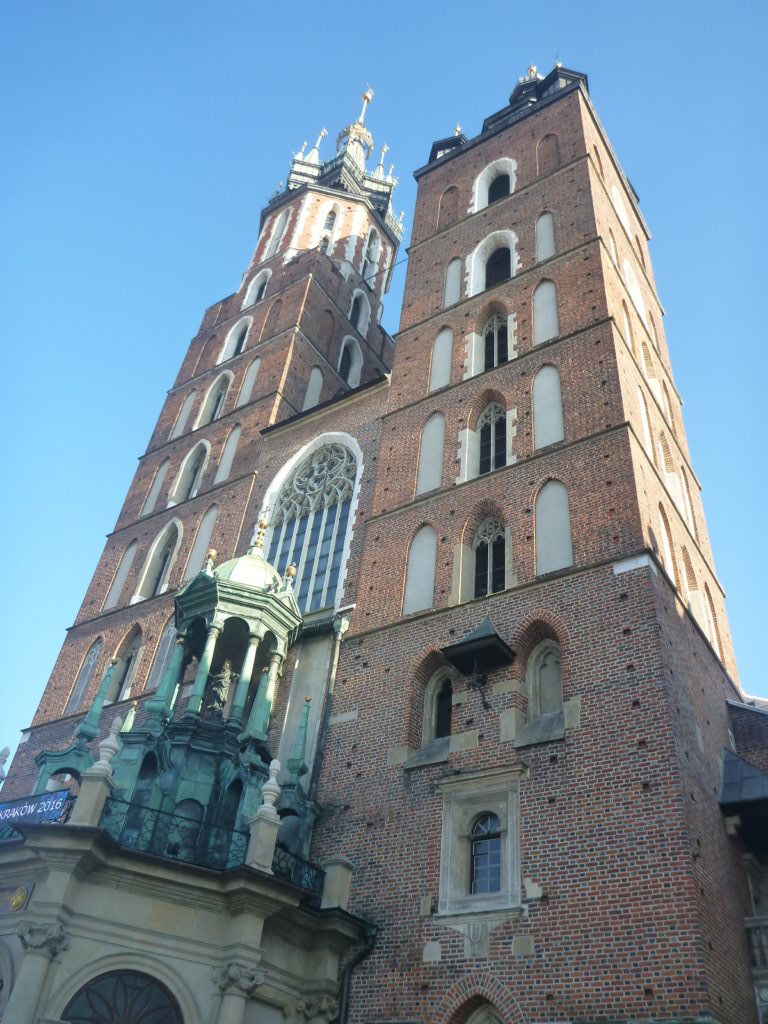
(456, 737)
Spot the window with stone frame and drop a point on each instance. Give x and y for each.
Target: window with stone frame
(311, 524)
(499, 188)
(492, 427)
(479, 845)
(496, 345)
(438, 708)
(84, 677)
(489, 548)
(498, 267)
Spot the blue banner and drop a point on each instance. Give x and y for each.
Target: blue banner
(43, 807)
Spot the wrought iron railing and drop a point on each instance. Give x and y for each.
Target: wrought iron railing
(173, 836)
(8, 832)
(757, 931)
(300, 872)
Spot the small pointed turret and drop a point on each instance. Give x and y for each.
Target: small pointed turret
(313, 157)
(379, 172)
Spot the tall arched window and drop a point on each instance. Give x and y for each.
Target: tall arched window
(350, 362)
(228, 455)
(548, 154)
(127, 661)
(498, 267)
(634, 289)
(371, 257)
(202, 543)
(713, 630)
(160, 562)
(430, 471)
(272, 319)
(545, 320)
(330, 220)
(645, 425)
(190, 475)
(162, 655)
(486, 855)
(554, 549)
(438, 708)
(666, 405)
(448, 212)
(667, 557)
(278, 232)
(496, 347)
(249, 379)
(181, 419)
(499, 188)
(545, 237)
(489, 549)
(314, 389)
(598, 161)
(118, 583)
(452, 287)
(442, 353)
(612, 249)
(84, 677)
(492, 427)
(685, 491)
(213, 404)
(626, 327)
(420, 571)
(156, 488)
(257, 288)
(129, 996)
(544, 681)
(311, 524)
(547, 408)
(234, 343)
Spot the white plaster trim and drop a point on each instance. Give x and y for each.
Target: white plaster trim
(475, 263)
(638, 562)
(504, 165)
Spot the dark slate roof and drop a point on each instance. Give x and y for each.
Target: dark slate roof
(482, 647)
(742, 782)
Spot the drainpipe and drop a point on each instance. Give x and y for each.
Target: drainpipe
(346, 981)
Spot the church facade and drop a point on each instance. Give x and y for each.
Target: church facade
(403, 690)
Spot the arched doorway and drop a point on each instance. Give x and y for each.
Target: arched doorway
(123, 997)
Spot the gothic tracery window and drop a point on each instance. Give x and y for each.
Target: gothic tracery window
(311, 522)
(490, 555)
(496, 346)
(492, 426)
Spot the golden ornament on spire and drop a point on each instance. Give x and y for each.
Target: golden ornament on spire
(457, 129)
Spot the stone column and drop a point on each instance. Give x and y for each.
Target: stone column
(258, 720)
(241, 690)
(160, 703)
(237, 982)
(42, 943)
(203, 668)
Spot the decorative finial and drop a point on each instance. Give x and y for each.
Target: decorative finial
(533, 71)
(457, 129)
(130, 718)
(3, 758)
(210, 560)
(367, 97)
(291, 570)
(261, 528)
(108, 747)
(379, 172)
(313, 157)
(400, 218)
(270, 791)
(300, 154)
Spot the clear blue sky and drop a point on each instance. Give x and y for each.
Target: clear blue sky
(141, 139)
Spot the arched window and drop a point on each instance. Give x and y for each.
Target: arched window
(544, 681)
(492, 427)
(84, 677)
(645, 425)
(162, 655)
(127, 661)
(324, 244)
(213, 404)
(272, 319)
(693, 596)
(639, 245)
(545, 321)
(499, 188)
(448, 212)
(129, 997)
(278, 232)
(190, 475)
(234, 343)
(498, 267)
(667, 557)
(634, 289)
(160, 561)
(202, 543)
(442, 354)
(228, 455)
(547, 408)
(687, 503)
(181, 419)
(490, 558)
(371, 258)
(598, 161)
(545, 237)
(430, 471)
(156, 488)
(420, 571)
(452, 287)
(496, 346)
(350, 362)
(612, 249)
(712, 630)
(620, 208)
(311, 524)
(438, 707)
(257, 288)
(671, 478)
(548, 154)
(554, 549)
(249, 379)
(626, 328)
(118, 583)
(486, 855)
(360, 312)
(654, 335)
(330, 220)
(314, 389)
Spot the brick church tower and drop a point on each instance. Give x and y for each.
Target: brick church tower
(454, 736)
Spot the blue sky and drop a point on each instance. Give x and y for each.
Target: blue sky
(141, 140)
